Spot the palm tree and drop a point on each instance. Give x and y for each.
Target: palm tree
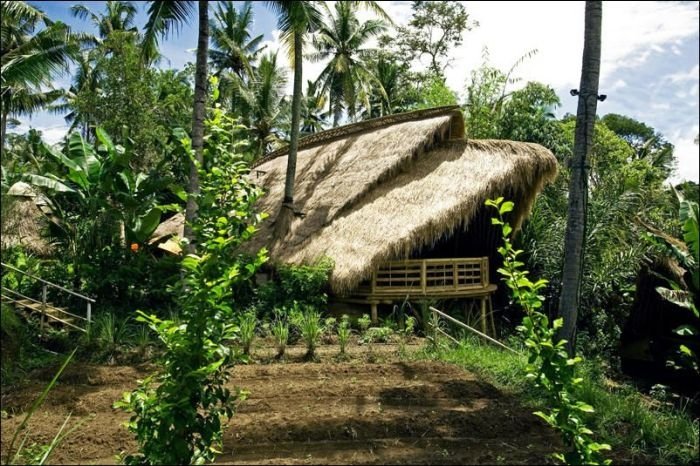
(86, 79)
(297, 19)
(578, 186)
(233, 50)
(314, 118)
(29, 61)
(163, 18)
(232, 47)
(118, 17)
(388, 91)
(344, 39)
(261, 105)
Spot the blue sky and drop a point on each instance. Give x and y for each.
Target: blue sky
(649, 67)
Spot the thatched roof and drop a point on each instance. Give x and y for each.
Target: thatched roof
(380, 189)
(24, 219)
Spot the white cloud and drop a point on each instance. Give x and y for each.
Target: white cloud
(686, 152)
(690, 75)
(50, 134)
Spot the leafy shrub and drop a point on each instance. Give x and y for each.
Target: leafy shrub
(304, 284)
(12, 333)
(329, 325)
(176, 413)
(247, 323)
(364, 322)
(549, 365)
(377, 334)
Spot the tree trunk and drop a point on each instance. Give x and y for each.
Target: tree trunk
(286, 213)
(198, 115)
(3, 129)
(578, 186)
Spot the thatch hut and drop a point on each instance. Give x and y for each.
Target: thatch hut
(25, 220)
(397, 203)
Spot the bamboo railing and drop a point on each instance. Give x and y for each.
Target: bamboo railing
(431, 276)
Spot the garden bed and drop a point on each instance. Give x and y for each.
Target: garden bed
(323, 412)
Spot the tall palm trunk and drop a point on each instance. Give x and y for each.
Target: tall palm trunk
(3, 128)
(578, 186)
(198, 115)
(286, 214)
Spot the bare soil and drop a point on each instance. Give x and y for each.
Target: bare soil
(327, 412)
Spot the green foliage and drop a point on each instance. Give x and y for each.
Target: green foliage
(308, 321)
(434, 92)
(646, 432)
(344, 332)
(302, 284)
(280, 330)
(329, 327)
(549, 365)
(684, 295)
(124, 101)
(247, 323)
(377, 334)
(110, 332)
(12, 333)
(364, 322)
(176, 413)
(434, 29)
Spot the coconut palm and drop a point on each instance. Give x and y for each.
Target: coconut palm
(296, 20)
(163, 18)
(85, 79)
(233, 49)
(344, 41)
(29, 60)
(261, 102)
(314, 118)
(117, 17)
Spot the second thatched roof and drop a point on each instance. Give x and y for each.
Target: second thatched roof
(381, 189)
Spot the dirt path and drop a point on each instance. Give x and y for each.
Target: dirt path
(312, 413)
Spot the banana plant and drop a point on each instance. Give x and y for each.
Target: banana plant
(99, 180)
(685, 295)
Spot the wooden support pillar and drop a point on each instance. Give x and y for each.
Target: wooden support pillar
(483, 316)
(373, 308)
(493, 323)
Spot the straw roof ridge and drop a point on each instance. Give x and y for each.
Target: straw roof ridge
(340, 132)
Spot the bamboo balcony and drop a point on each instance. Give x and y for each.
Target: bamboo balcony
(431, 278)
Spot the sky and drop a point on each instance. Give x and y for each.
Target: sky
(649, 63)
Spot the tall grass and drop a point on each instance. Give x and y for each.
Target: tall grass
(624, 418)
(280, 331)
(308, 321)
(247, 323)
(344, 333)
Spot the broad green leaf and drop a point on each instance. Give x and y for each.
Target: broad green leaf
(49, 183)
(506, 207)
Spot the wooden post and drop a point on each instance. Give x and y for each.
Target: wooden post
(373, 308)
(455, 278)
(89, 313)
(493, 323)
(423, 276)
(483, 315)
